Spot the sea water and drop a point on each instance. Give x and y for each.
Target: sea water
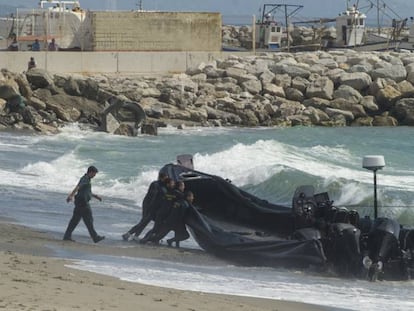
(38, 171)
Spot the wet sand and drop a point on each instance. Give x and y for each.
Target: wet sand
(32, 278)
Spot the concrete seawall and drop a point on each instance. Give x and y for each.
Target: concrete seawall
(110, 62)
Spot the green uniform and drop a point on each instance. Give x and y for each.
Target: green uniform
(82, 209)
(84, 194)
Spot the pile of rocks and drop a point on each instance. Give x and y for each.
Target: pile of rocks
(241, 36)
(338, 88)
(37, 100)
(237, 36)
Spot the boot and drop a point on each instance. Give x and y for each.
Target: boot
(126, 236)
(98, 238)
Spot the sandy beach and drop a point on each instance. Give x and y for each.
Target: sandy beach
(33, 279)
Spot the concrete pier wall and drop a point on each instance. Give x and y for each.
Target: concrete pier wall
(153, 31)
(110, 62)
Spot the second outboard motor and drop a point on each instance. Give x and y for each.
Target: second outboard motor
(343, 247)
(407, 249)
(381, 244)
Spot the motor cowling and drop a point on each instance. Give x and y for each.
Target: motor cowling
(383, 239)
(344, 247)
(381, 244)
(406, 240)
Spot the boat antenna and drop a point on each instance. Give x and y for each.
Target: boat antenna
(374, 163)
(139, 5)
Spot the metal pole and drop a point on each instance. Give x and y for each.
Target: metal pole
(287, 29)
(254, 34)
(375, 195)
(378, 18)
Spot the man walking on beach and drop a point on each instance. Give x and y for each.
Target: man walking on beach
(83, 194)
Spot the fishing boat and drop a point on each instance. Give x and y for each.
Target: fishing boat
(53, 19)
(350, 28)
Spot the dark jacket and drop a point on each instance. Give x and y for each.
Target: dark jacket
(84, 194)
(152, 199)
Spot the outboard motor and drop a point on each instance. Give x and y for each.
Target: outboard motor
(406, 239)
(343, 247)
(380, 245)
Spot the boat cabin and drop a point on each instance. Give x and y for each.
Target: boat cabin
(350, 28)
(269, 34)
(59, 6)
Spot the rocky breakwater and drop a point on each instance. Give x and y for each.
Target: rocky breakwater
(37, 100)
(338, 88)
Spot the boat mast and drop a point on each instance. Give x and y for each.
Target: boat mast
(378, 18)
(139, 5)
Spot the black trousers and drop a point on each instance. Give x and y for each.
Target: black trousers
(81, 212)
(137, 229)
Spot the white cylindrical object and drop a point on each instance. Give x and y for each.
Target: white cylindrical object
(373, 162)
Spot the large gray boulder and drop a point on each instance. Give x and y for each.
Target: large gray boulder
(266, 76)
(357, 80)
(348, 93)
(283, 80)
(332, 112)
(71, 87)
(322, 87)
(335, 74)
(288, 108)
(396, 73)
(24, 86)
(387, 96)
(8, 89)
(410, 77)
(384, 120)
(292, 70)
(252, 86)
(300, 84)
(39, 78)
(273, 89)
(406, 88)
(365, 67)
(369, 103)
(403, 111)
(327, 63)
(294, 94)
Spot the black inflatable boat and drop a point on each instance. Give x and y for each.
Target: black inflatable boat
(236, 225)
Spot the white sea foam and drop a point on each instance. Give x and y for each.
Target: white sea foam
(258, 282)
(244, 164)
(255, 163)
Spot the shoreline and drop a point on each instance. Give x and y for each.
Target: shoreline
(33, 279)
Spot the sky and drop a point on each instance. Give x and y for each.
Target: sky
(312, 8)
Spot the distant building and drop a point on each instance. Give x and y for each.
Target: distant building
(76, 29)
